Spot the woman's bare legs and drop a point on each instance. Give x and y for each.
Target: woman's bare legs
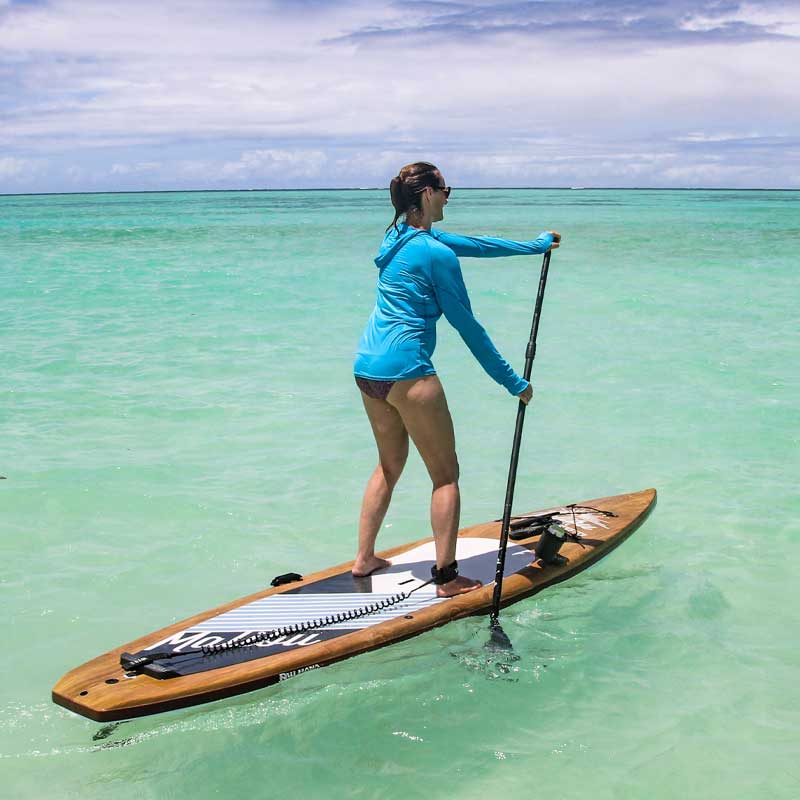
(392, 440)
(423, 410)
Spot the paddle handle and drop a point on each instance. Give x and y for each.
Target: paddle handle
(530, 354)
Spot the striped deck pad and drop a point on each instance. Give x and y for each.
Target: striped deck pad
(477, 558)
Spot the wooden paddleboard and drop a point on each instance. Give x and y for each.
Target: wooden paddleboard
(330, 615)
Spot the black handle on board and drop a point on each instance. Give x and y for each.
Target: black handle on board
(530, 354)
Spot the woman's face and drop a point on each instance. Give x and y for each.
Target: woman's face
(438, 199)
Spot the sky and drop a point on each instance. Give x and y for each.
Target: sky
(136, 95)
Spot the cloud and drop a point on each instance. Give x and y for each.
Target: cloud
(703, 138)
(777, 19)
(135, 169)
(318, 93)
(609, 22)
(283, 164)
(16, 168)
(702, 175)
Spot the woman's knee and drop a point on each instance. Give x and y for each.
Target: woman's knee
(446, 476)
(393, 469)
(449, 489)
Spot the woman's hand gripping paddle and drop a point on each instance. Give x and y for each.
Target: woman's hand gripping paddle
(498, 639)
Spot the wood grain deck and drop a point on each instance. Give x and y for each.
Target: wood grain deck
(101, 690)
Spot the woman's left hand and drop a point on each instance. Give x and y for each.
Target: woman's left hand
(556, 240)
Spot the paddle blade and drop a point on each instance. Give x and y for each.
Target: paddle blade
(498, 638)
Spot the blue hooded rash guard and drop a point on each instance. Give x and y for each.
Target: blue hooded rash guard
(419, 279)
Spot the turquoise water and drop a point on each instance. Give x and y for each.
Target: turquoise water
(178, 423)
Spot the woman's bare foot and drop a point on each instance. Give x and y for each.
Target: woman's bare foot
(459, 585)
(362, 568)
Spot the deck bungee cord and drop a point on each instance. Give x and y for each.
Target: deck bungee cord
(526, 526)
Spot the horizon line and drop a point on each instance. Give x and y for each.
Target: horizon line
(383, 188)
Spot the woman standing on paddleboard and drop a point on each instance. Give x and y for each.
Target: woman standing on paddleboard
(419, 279)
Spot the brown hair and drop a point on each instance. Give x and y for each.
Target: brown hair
(407, 186)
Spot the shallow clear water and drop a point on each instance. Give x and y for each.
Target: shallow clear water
(179, 424)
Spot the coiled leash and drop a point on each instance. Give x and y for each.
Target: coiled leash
(310, 625)
(133, 663)
(438, 576)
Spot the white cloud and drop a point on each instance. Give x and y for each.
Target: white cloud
(248, 92)
(783, 20)
(701, 137)
(285, 164)
(135, 169)
(15, 168)
(712, 174)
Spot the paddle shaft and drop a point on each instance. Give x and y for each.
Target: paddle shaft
(530, 354)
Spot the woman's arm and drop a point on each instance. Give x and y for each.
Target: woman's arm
(451, 294)
(490, 247)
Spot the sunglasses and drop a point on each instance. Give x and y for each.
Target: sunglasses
(445, 189)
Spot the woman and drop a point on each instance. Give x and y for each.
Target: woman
(419, 279)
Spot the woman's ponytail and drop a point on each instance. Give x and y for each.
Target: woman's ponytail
(399, 201)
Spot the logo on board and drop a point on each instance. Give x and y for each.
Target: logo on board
(192, 640)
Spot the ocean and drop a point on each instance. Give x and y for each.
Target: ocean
(179, 423)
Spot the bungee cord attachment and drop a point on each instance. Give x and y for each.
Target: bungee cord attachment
(524, 527)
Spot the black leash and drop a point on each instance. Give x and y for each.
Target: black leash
(312, 624)
(498, 636)
(134, 663)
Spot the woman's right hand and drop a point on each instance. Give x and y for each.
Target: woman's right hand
(556, 240)
(526, 395)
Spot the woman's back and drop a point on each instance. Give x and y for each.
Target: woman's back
(400, 336)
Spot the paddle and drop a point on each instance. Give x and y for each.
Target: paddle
(497, 636)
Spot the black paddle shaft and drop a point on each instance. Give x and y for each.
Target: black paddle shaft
(530, 354)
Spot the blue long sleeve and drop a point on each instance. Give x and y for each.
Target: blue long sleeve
(490, 247)
(419, 279)
(451, 294)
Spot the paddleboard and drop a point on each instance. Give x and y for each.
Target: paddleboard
(284, 631)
